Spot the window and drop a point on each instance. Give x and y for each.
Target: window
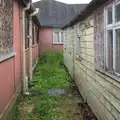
(37, 35)
(33, 34)
(69, 40)
(117, 12)
(78, 46)
(109, 15)
(27, 32)
(78, 41)
(109, 62)
(113, 39)
(62, 37)
(117, 67)
(58, 37)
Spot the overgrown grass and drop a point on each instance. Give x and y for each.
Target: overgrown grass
(49, 74)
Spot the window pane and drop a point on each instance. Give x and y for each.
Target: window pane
(62, 37)
(109, 15)
(110, 50)
(78, 46)
(118, 50)
(117, 13)
(56, 37)
(33, 34)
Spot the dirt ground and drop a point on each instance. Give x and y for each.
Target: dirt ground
(70, 108)
(53, 94)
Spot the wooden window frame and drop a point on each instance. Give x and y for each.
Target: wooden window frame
(60, 34)
(78, 40)
(114, 26)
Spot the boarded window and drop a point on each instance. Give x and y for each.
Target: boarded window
(78, 41)
(78, 46)
(69, 40)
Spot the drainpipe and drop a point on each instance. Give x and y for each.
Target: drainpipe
(24, 76)
(30, 40)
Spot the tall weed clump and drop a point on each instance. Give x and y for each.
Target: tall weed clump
(50, 63)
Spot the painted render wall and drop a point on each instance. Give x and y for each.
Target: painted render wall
(11, 66)
(10, 69)
(46, 41)
(101, 92)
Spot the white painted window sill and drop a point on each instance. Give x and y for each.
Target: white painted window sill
(57, 43)
(26, 49)
(7, 56)
(35, 45)
(78, 57)
(117, 78)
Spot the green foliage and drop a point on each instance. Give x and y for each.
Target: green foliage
(49, 63)
(49, 74)
(60, 79)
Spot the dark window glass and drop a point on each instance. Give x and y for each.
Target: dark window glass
(110, 50)
(117, 13)
(38, 35)
(33, 32)
(117, 51)
(109, 14)
(62, 37)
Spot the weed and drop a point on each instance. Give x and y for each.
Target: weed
(49, 64)
(49, 74)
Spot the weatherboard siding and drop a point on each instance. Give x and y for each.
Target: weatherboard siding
(68, 50)
(101, 92)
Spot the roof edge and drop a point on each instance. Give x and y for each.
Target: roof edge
(93, 5)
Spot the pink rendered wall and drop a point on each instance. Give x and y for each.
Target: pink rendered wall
(46, 41)
(10, 69)
(7, 83)
(35, 53)
(17, 40)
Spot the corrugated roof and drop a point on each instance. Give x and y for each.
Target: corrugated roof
(57, 14)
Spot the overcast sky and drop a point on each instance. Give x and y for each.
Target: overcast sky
(71, 1)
